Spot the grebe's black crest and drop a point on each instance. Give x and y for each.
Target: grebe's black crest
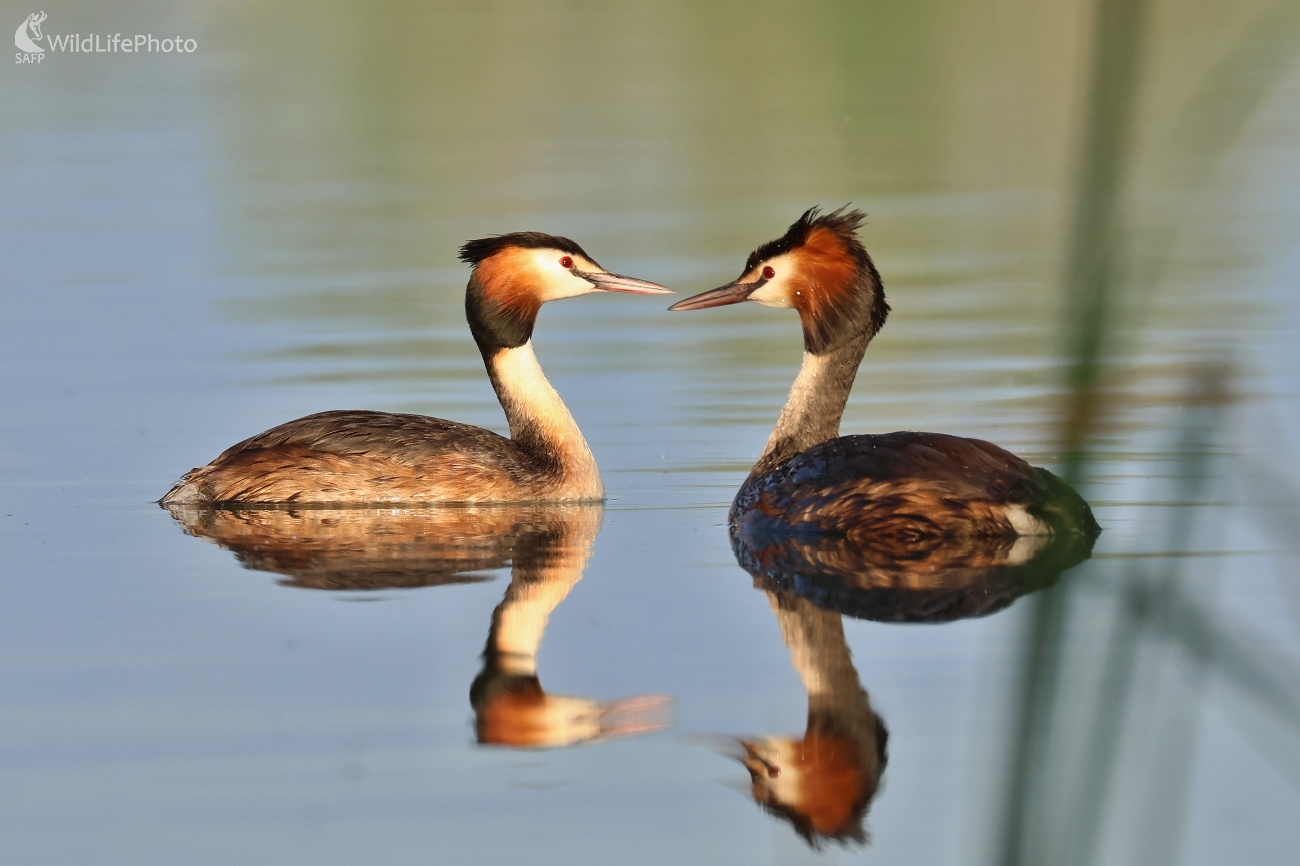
(846, 298)
(822, 270)
(843, 223)
(475, 251)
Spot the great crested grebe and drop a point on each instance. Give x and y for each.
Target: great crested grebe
(371, 457)
(909, 485)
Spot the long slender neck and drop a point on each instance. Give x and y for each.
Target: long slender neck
(539, 421)
(816, 403)
(501, 320)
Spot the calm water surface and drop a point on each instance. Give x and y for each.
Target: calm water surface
(198, 247)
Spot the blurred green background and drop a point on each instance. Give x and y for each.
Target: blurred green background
(1085, 214)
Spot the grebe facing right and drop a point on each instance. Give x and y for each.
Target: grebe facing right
(374, 457)
(900, 485)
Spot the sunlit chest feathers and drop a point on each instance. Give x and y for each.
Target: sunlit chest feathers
(818, 267)
(514, 274)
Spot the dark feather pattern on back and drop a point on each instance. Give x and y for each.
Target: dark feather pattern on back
(918, 483)
(400, 437)
(361, 456)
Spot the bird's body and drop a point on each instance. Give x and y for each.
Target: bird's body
(372, 457)
(376, 457)
(907, 485)
(900, 485)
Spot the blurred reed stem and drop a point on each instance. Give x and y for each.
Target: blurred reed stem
(1090, 283)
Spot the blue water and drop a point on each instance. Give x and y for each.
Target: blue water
(199, 247)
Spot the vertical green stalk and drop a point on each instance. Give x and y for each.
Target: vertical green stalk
(1091, 281)
(1093, 275)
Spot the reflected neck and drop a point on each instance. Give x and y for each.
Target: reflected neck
(519, 622)
(816, 403)
(818, 651)
(839, 709)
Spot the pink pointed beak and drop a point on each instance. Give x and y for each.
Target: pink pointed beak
(604, 281)
(731, 293)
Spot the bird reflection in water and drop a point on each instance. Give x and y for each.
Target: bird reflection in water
(823, 782)
(547, 547)
(935, 579)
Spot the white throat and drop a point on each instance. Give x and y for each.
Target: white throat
(538, 416)
(520, 378)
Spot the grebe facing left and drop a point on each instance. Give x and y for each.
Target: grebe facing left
(372, 457)
(897, 485)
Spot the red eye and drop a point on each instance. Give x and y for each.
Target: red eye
(768, 272)
(567, 263)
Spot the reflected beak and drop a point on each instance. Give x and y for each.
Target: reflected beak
(731, 293)
(604, 281)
